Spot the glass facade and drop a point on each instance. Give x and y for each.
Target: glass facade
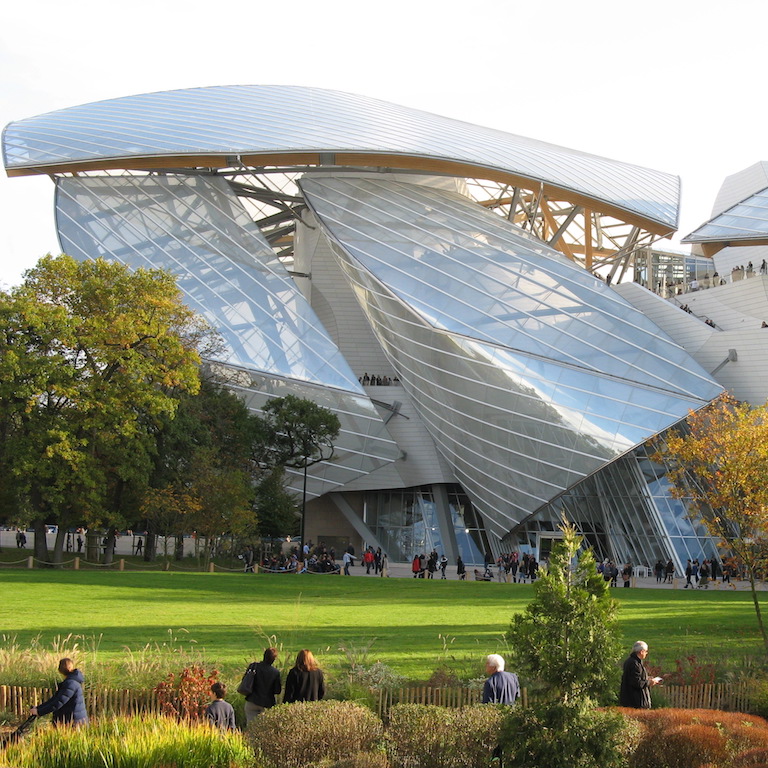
(627, 514)
(747, 220)
(406, 522)
(529, 373)
(274, 345)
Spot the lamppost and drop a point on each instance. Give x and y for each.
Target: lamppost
(304, 505)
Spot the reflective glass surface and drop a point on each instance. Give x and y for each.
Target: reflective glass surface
(627, 514)
(196, 228)
(518, 416)
(235, 120)
(469, 272)
(747, 220)
(405, 521)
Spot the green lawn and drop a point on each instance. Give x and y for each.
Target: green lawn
(231, 615)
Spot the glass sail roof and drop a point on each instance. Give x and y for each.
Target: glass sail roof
(529, 373)
(196, 228)
(470, 272)
(747, 220)
(248, 119)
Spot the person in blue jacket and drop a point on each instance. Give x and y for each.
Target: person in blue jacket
(68, 703)
(501, 687)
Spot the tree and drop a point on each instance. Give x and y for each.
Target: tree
(204, 458)
(90, 357)
(567, 641)
(567, 637)
(719, 462)
(300, 433)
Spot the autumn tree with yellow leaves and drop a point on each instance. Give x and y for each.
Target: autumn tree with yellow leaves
(719, 462)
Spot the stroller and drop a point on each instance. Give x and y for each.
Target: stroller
(18, 734)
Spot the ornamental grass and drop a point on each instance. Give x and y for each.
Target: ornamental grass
(130, 742)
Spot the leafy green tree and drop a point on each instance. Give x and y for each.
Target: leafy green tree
(204, 463)
(90, 356)
(300, 433)
(719, 463)
(277, 508)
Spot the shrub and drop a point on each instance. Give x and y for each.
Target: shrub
(359, 760)
(134, 742)
(305, 733)
(691, 746)
(575, 735)
(186, 696)
(439, 737)
(684, 738)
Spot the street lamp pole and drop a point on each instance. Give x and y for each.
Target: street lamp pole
(304, 505)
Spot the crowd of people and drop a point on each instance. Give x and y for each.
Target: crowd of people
(377, 381)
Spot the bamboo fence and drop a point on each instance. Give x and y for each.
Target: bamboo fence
(17, 700)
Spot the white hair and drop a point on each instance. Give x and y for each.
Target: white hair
(495, 661)
(639, 646)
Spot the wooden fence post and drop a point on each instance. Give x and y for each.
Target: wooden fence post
(77, 563)
(30, 562)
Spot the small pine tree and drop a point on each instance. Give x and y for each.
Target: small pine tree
(567, 638)
(566, 643)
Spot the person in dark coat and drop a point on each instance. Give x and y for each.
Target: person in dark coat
(266, 685)
(305, 681)
(635, 684)
(68, 703)
(501, 687)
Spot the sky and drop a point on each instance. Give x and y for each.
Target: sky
(674, 85)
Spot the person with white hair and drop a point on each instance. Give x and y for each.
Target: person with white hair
(635, 684)
(501, 687)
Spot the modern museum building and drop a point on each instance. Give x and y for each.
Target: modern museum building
(473, 305)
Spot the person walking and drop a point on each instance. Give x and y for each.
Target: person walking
(348, 559)
(461, 570)
(68, 703)
(688, 574)
(305, 680)
(636, 686)
(501, 687)
(261, 684)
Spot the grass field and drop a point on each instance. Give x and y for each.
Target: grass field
(411, 625)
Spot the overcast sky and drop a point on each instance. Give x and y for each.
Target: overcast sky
(675, 85)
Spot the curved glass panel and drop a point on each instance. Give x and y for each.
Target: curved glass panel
(249, 119)
(481, 325)
(196, 228)
(747, 220)
(469, 272)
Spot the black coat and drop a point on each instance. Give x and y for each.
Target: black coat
(304, 685)
(266, 684)
(635, 688)
(68, 703)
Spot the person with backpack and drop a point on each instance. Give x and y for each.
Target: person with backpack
(260, 685)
